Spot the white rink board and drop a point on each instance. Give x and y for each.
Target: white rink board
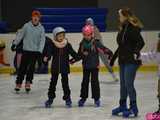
(109, 38)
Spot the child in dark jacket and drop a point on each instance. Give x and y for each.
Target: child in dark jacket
(88, 50)
(60, 50)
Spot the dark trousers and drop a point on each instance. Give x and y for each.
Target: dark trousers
(27, 67)
(65, 86)
(93, 73)
(41, 67)
(127, 78)
(17, 60)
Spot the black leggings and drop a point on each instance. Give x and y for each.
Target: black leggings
(94, 84)
(65, 86)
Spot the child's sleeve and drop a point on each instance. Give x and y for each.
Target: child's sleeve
(80, 51)
(73, 53)
(102, 48)
(49, 50)
(99, 44)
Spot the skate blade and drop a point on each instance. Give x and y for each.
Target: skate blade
(48, 106)
(68, 106)
(28, 91)
(17, 91)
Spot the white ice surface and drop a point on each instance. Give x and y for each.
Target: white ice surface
(31, 107)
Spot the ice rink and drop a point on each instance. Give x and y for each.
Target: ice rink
(31, 106)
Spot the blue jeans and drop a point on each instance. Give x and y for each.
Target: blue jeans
(127, 77)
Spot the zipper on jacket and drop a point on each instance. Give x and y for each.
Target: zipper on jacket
(59, 61)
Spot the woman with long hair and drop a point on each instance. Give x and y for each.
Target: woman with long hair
(130, 43)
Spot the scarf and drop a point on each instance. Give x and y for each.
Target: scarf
(60, 44)
(87, 44)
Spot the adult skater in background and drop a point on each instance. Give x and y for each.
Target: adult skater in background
(158, 51)
(154, 56)
(130, 43)
(33, 37)
(97, 36)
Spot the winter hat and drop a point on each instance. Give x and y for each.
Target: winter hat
(36, 13)
(57, 31)
(90, 21)
(88, 30)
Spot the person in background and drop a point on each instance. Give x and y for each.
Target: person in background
(158, 53)
(2, 47)
(130, 43)
(97, 35)
(154, 56)
(33, 36)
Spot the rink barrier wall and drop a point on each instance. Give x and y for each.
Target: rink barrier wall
(109, 40)
(78, 69)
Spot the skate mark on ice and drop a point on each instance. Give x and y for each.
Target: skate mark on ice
(109, 82)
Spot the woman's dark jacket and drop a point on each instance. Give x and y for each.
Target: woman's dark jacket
(130, 43)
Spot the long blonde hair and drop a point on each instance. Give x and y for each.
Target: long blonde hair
(131, 18)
